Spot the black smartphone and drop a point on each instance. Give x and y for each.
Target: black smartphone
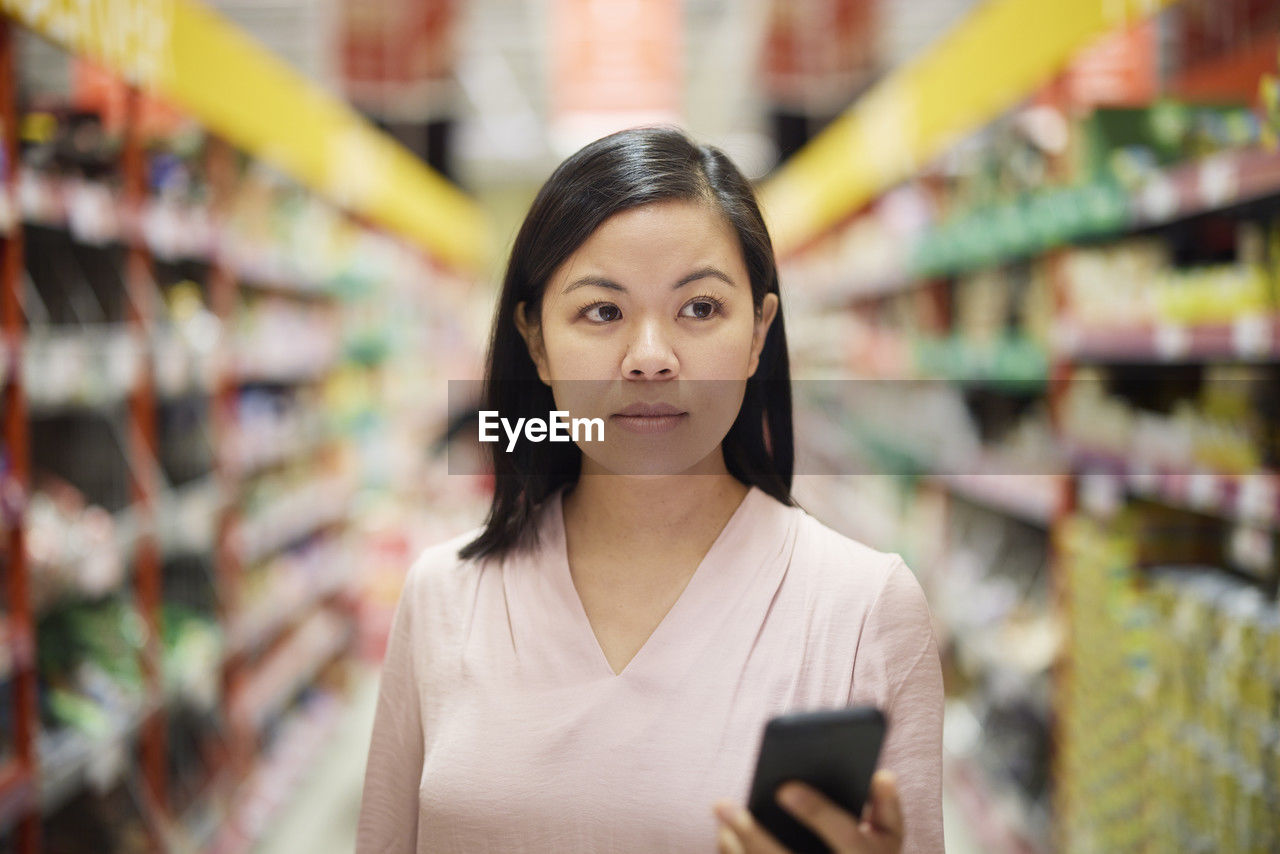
(834, 751)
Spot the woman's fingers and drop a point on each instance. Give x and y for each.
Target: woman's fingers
(886, 808)
(880, 829)
(740, 834)
(727, 841)
(837, 827)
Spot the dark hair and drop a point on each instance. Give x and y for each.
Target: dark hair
(622, 171)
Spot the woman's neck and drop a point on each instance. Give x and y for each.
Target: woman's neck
(648, 520)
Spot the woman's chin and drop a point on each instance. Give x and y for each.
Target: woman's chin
(654, 466)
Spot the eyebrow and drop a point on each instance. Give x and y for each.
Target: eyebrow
(602, 282)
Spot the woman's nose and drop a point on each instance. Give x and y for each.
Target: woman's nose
(650, 355)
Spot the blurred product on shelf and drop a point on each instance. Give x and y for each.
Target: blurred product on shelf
(72, 546)
(280, 341)
(93, 696)
(1167, 711)
(1227, 427)
(289, 585)
(275, 427)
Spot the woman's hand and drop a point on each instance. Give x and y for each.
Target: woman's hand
(878, 832)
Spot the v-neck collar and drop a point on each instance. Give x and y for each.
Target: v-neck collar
(704, 582)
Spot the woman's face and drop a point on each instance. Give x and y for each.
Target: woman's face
(650, 327)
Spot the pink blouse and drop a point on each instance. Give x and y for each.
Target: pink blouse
(501, 726)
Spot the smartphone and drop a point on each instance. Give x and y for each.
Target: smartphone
(834, 751)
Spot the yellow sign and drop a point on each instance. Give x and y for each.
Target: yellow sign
(1001, 53)
(196, 59)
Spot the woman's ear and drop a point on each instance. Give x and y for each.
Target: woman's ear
(764, 319)
(532, 334)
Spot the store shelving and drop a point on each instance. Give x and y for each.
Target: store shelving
(1141, 268)
(297, 584)
(15, 793)
(1247, 497)
(186, 420)
(1250, 338)
(997, 817)
(1029, 497)
(272, 780)
(70, 764)
(1013, 232)
(293, 664)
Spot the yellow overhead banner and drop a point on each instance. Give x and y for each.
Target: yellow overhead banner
(203, 64)
(1001, 53)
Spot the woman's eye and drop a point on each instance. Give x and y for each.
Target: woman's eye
(700, 309)
(604, 312)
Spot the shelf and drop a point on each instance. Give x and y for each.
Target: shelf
(69, 761)
(1032, 498)
(262, 106)
(995, 817)
(1212, 183)
(1251, 339)
(90, 211)
(186, 522)
(299, 373)
(73, 368)
(1252, 498)
(287, 451)
(284, 286)
(266, 622)
(1100, 211)
(15, 794)
(312, 646)
(295, 749)
(303, 512)
(963, 81)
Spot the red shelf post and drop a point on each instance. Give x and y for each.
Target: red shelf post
(26, 720)
(143, 455)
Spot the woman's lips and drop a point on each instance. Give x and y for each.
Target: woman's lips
(649, 423)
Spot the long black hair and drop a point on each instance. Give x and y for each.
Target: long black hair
(616, 173)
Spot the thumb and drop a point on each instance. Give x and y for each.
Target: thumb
(886, 808)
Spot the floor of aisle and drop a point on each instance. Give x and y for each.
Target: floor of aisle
(321, 818)
(959, 837)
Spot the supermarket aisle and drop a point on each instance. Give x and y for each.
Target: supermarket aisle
(321, 819)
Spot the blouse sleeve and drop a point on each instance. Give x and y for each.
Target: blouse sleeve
(897, 667)
(389, 808)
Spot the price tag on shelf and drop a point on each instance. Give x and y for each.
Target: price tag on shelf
(1172, 342)
(1219, 181)
(1101, 494)
(7, 215)
(1251, 336)
(1259, 498)
(1143, 478)
(1251, 548)
(1203, 491)
(107, 763)
(1159, 199)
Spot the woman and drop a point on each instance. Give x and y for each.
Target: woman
(592, 670)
